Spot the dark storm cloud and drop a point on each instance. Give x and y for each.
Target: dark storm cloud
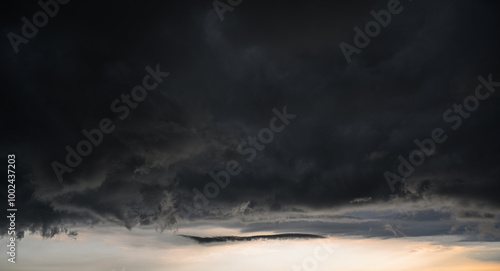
(225, 79)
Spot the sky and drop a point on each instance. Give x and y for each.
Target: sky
(287, 135)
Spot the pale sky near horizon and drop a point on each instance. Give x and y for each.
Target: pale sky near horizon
(114, 248)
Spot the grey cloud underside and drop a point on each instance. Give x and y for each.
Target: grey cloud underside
(225, 79)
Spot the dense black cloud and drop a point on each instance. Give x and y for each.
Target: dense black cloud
(353, 120)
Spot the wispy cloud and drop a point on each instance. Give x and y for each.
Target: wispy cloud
(285, 236)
